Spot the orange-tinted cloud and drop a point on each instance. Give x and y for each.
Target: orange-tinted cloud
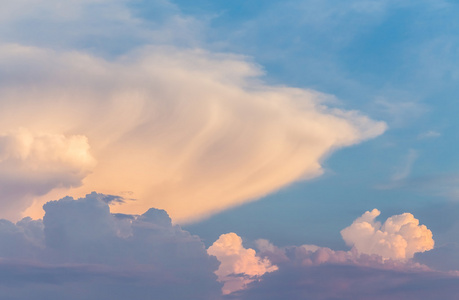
(33, 164)
(188, 131)
(238, 266)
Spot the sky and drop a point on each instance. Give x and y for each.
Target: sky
(215, 149)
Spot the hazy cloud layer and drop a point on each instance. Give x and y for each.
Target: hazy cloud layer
(188, 131)
(312, 272)
(238, 266)
(350, 282)
(400, 237)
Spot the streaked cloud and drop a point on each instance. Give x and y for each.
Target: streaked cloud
(238, 266)
(429, 134)
(188, 131)
(349, 282)
(404, 169)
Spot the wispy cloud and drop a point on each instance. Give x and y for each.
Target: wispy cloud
(179, 128)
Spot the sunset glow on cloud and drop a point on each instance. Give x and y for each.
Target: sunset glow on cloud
(238, 266)
(223, 135)
(229, 150)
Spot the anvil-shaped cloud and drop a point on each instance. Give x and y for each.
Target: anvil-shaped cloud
(188, 131)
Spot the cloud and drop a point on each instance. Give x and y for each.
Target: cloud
(404, 170)
(80, 246)
(430, 134)
(188, 131)
(313, 272)
(33, 164)
(180, 128)
(238, 266)
(400, 237)
(350, 282)
(100, 26)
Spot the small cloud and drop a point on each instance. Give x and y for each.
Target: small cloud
(400, 112)
(404, 170)
(238, 266)
(109, 199)
(431, 134)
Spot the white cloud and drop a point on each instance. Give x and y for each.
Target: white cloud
(32, 164)
(400, 237)
(238, 266)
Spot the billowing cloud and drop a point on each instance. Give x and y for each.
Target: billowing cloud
(188, 131)
(238, 266)
(313, 272)
(400, 237)
(81, 246)
(33, 164)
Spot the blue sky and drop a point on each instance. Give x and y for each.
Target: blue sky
(395, 62)
(276, 120)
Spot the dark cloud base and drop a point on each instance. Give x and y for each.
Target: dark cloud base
(346, 282)
(82, 251)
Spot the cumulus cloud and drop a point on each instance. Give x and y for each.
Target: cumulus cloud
(33, 164)
(313, 272)
(81, 246)
(400, 237)
(238, 266)
(189, 131)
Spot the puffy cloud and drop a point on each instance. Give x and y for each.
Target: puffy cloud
(81, 246)
(313, 272)
(32, 164)
(400, 237)
(238, 266)
(193, 132)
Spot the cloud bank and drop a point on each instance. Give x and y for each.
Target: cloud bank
(82, 251)
(313, 272)
(188, 131)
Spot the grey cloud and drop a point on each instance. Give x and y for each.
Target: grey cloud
(80, 246)
(350, 282)
(311, 272)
